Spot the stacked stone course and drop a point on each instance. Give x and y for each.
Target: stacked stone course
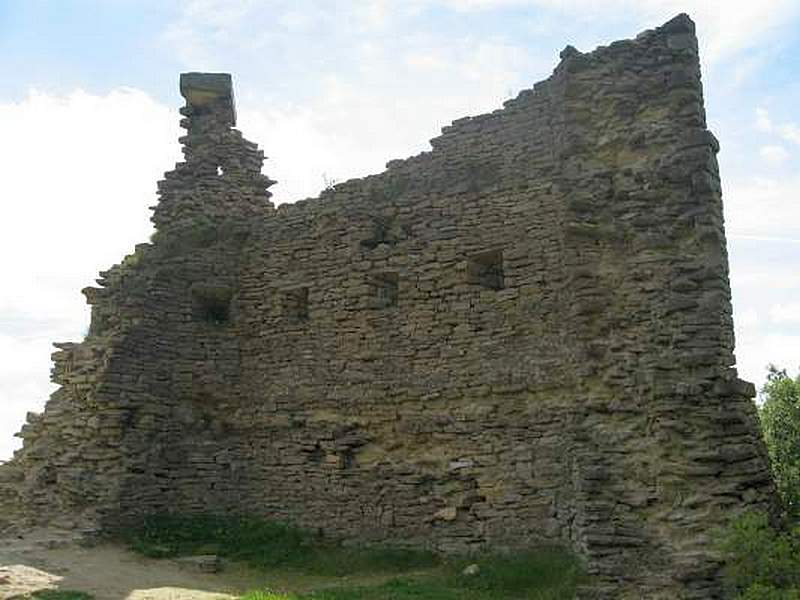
(522, 336)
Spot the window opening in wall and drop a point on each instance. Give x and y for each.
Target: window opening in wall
(384, 288)
(486, 269)
(211, 303)
(346, 459)
(295, 303)
(316, 454)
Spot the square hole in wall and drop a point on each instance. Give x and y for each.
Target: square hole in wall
(379, 234)
(211, 303)
(294, 303)
(486, 269)
(384, 288)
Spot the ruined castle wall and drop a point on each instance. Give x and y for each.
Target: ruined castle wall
(522, 336)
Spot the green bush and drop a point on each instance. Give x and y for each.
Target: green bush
(761, 562)
(758, 591)
(780, 421)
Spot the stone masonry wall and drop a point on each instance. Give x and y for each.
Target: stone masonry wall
(522, 336)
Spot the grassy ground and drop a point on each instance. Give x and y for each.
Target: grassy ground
(541, 574)
(263, 544)
(534, 575)
(58, 595)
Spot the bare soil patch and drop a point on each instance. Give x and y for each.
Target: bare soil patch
(49, 559)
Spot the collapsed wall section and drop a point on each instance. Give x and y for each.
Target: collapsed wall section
(523, 336)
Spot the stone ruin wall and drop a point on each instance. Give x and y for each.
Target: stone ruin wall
(522, 336)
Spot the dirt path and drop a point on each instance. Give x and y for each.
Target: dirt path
(48, 559)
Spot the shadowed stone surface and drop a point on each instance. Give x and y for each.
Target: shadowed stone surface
(522, 336)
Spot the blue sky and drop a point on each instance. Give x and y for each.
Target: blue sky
(333, 89)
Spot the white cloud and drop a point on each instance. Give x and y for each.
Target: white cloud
(755, 352)
(747, 319)
(765, 289)
(219, 13)
(762, 275)
(24, 384)
(774, 155)
(426, 62)
(788, 131)
(786, 314)
(79, 173)
(743, 69)
(724, 27)
(355, 123)
(763, 207)
(763, 122)
(295, 20)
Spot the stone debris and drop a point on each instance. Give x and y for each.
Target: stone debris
(522, 336)
(17, 580)
(206, 563)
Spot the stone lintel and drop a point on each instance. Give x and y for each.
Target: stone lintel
(202, 90)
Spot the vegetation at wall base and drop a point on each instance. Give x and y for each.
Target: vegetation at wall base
(543, 574)
(762, 561)
(59, 595)
(264, 544)
(762, 558)
(540, 574)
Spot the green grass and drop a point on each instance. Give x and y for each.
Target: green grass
(263, 544)
(540, 574)
(544, 574)
(266, 596)
(60, 595)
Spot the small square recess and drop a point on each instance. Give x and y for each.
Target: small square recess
(294, 303)
(486, 269)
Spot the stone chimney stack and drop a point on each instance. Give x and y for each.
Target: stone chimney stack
(209, 96)
(220, 177)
